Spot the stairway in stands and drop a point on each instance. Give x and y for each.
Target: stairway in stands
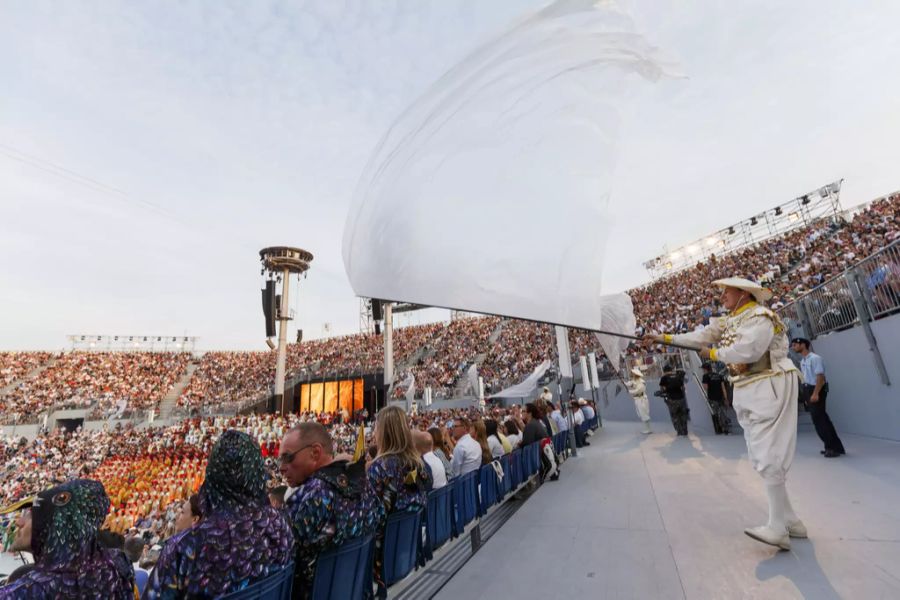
(461, 381)
(171, 400)
(33, 374)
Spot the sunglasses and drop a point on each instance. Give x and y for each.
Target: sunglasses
(288, 457)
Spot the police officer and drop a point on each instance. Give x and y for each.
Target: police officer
(813, 392)
(672, 387)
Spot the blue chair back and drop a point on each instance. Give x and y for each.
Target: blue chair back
(141, 577)
(512, 475)
(488, 489)
(276, 586)
(439, 517)
(345, 571)
(465, 500)
(401, 543)
(504, 485)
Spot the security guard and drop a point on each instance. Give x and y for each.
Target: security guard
(813, 392)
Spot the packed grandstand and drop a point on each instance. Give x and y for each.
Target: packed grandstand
(149, 471)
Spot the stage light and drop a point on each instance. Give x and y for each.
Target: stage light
(804, 200)
(669, 266)
(711, 241)
(675, 256)
(753, 222)
(823, 192)
(793, 217)
(178, 345)
(93, 344)
(137, 344)
(692, 249)
(731, 231)
(778, 212)
(270, 343)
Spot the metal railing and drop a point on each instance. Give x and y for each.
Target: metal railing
(870, 288)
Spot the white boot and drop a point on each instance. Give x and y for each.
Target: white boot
(646, 429)
(775, 532)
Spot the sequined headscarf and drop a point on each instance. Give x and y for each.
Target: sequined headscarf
(235, 475)
(66, 519)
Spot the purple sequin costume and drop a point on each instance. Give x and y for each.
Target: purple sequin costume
(69, 562)
(334, 505)
(241, 538)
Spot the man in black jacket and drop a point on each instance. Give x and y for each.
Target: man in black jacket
(671, 388)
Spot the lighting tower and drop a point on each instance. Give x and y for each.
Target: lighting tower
(280, 262)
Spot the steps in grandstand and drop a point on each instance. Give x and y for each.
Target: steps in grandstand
(462, 385)
(30, 375)
(171, 400)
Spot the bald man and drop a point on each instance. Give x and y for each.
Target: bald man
(425, 446)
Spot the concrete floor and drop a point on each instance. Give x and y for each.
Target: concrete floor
(660, 517)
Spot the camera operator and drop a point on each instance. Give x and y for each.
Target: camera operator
(717, 397)
(671, 388)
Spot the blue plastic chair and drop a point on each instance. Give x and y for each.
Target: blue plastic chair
(345, 571)
(439, 517)
(141, 577)
(276, 586)
(487, 484)
(402, 532)
(465, 500)
(518, 459)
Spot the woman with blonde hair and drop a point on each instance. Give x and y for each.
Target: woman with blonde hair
(479, 433)
(397, 474)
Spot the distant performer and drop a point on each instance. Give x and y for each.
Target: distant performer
(638, 390)
(717, 398)
(813, 392)
(751, 340)
(671, 388)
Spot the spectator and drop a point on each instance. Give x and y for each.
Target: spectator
(440, 449)
(512, 433)
(397, 475)
(479, 434)
(60, 530)
(493, 439)
(467, 452)
(190, 514)
(332, 503)
(241, 538)
(534, 427)
(425, 446)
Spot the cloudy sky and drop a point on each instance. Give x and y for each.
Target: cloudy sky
(148, 150)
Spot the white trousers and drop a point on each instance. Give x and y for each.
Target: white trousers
(767, 410)
(642, 406)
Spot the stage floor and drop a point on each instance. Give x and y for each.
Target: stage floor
(640, 517)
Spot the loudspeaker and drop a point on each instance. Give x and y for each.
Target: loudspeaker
(268, 302)
(376, 310)
(377, 328)
(299, 335)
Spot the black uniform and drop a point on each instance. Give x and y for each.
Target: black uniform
(671, 387)
(716, 399)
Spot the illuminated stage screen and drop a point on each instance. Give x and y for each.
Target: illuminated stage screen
(332, 396)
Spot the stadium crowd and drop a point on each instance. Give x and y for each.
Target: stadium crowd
(114, 381)
(16, 365)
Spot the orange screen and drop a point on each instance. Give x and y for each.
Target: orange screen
(331, 396)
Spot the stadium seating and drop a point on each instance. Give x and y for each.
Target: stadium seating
(276, 586)
(345, 571)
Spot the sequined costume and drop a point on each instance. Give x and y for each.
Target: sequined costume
(241, 538)
(335, 504)
(69, 562)
(401, 488)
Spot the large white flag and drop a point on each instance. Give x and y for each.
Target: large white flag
(618, 317)
(489, 193)
(527, 385)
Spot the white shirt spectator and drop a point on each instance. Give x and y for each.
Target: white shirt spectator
(466, 456)
(438, 473)
(496, 447)
(588, 412)
(514, 440)
(579, 417)
(560, 421)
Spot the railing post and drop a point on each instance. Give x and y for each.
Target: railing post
(865, 319)
(803, 315)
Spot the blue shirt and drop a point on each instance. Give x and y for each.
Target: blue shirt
(812, 365)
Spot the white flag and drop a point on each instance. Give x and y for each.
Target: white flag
(458, 205)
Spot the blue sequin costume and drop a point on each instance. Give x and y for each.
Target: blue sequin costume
(401, 488)
(241, 538)
(335, 504)
(69, 562)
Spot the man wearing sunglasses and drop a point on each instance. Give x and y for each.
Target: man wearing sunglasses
(333, 502)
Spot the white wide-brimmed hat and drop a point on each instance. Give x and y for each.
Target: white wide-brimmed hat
(637, 372)
(757, 291)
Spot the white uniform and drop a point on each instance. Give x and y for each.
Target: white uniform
(639, 392)
(765, 399)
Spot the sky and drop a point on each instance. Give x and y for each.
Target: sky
(149, 150)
